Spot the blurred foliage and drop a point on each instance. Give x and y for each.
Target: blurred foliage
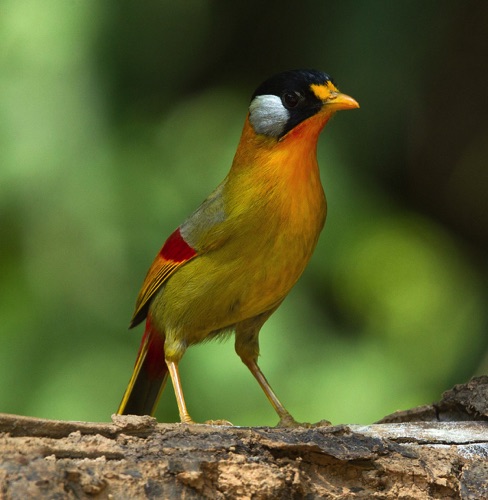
(117, 119)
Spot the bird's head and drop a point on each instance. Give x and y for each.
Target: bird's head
(287, 99)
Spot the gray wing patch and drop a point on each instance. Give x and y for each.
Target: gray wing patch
(210, 213)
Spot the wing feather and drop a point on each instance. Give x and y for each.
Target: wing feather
(175, 253)
(197, 232)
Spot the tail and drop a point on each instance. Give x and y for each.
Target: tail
(148, 378)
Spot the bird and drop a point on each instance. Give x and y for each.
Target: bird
(230, 264)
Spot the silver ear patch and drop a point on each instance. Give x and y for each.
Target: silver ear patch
(268, 116)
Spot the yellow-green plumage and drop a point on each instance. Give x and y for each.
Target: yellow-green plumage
(274, 215)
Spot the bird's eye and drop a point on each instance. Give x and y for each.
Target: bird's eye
(291, 99)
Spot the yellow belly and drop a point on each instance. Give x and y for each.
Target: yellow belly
(249, 274)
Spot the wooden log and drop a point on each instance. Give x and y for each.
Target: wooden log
(428, 455)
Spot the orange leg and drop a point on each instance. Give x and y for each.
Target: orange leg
(175, 378)
(247, 347)
(286, 420)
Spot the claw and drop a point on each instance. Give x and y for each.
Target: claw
(288, 421)
(219, 422)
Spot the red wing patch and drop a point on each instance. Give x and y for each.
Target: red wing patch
(175, 252)
(176, 248)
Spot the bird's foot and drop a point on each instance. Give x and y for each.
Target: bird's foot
(287, 420)
(189, 421)
(290, 422)
(320, 423)
(219, 422)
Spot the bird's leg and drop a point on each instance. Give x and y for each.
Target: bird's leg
(247, 347)
(286, 420)
(175, 378)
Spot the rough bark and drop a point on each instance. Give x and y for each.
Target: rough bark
(437, 451)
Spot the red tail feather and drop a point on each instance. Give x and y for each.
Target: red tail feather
(149, 376)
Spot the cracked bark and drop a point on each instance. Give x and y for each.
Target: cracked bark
(436, 451)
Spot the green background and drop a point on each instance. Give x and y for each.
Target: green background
(118, 118)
